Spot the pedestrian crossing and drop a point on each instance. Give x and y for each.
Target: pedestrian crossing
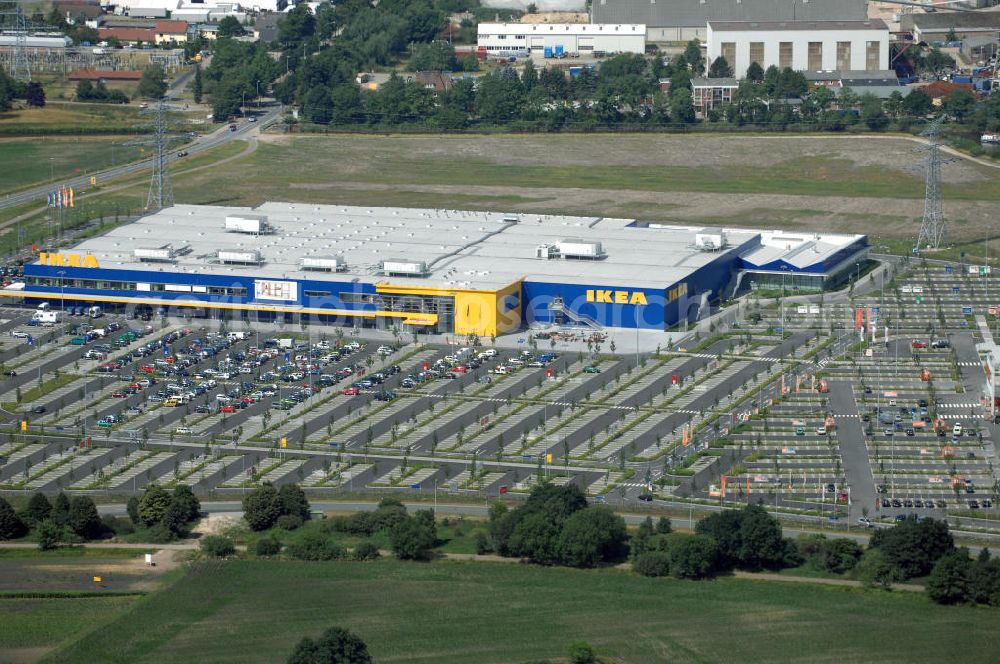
(969, 404)
(969, 364)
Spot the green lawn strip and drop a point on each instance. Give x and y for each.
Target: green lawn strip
(47, 387)
(255, 611)
(47, 621)
(29, 162)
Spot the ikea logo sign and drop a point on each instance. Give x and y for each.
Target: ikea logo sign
(67, 260)
(616, 297)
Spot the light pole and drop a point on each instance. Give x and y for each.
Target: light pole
(257, 99)
(62, 290)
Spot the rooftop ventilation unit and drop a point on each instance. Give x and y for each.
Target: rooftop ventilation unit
(166, 253)
(255, 224)
(240, 257)
(547, 251)
(511, 219)
(710, 241)
(575, 248)
(404, 268)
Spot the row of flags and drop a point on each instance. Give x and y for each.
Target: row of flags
(61, 198)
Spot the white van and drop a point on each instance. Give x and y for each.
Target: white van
(956, 430)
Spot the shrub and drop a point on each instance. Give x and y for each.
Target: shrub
(335, 646)
(117, 525)
(652, 563)
(217, 546)
(950, 582)
(315, 546)
(159, 534)
(267, 546)
(413, 538)
(582, 653)
(366, 551)
(692, 556)
(48, 534)
(289, 521)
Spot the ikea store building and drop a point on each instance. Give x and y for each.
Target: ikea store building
(428, 270)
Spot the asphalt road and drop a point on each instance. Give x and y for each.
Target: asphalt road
(81, 184)
(853, 449)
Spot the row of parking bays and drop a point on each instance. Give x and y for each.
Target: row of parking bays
(528, 412)
(917, 462)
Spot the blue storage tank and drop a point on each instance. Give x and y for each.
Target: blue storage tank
(559, 51)
(547, 52)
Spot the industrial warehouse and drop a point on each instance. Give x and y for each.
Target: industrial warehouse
(430, 271)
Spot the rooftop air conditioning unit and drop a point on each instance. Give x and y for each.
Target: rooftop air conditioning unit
(324, 263)
(547, 251)
(404, 268)
(240, 257)
(255, 224)
(574, 248)
(710, 241)
(166, 253)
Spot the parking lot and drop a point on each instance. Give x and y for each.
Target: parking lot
(793, 407)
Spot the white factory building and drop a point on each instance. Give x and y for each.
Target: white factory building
(569, 37)
(678, 21)
(801, 45)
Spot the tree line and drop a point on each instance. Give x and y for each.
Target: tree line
(323, 53)
(158, 516)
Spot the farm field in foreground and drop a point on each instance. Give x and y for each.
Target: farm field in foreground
(255, 611)
(32, 626)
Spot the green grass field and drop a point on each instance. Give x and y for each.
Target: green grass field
(249, 611)
(43, 623)
(30, 162)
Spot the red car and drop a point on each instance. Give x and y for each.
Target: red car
(147, 368)
(228, 409)
(352, 391)
(118, 394)
(919, 344)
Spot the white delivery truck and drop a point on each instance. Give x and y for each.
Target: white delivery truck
(47, 318)
(95, 312)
